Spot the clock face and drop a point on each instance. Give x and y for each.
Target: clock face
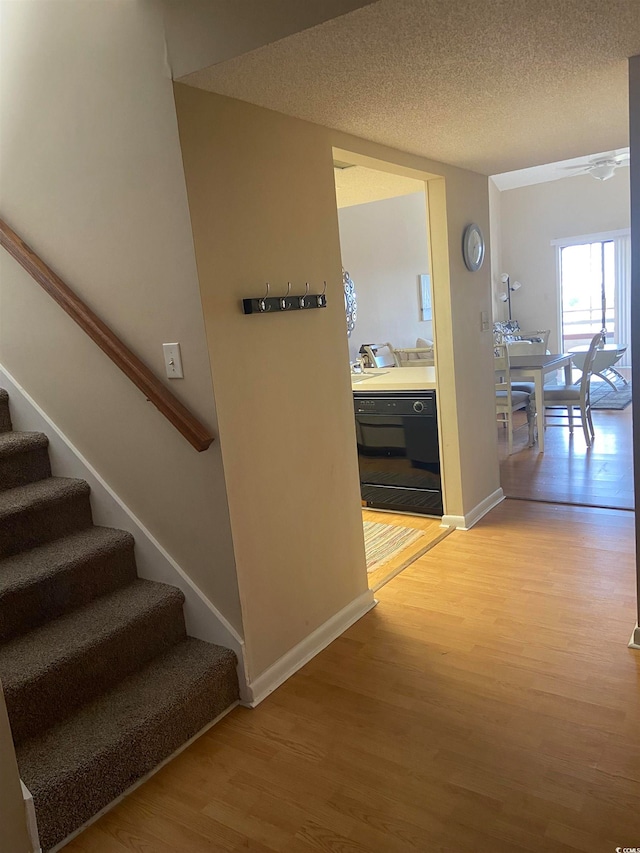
(473, 247)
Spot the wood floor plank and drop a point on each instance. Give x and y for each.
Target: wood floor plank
(488, 704)
(568, 471)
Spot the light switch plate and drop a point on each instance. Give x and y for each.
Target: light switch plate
(484, 321)
(173, 361)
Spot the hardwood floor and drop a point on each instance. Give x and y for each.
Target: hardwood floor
(488, 704)
(569, 472)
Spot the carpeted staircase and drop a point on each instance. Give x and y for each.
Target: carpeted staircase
(100, 679)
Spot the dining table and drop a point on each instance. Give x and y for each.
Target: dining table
(536, 367)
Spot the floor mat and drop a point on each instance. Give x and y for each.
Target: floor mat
(383, 541)
(408, 549)
(604, 397)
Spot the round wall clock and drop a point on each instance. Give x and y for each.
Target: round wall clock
(473, 247)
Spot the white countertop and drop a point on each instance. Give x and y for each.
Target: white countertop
(395, 379)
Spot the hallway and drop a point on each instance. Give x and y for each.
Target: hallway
(489, 702)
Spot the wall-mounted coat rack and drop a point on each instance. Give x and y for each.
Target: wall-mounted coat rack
(271, 304)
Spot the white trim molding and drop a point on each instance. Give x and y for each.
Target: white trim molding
(308, 648)
(203, 620)
(634, 642)
(599, 236)
(464, 522)
(32, 823)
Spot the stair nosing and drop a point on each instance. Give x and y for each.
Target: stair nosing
(13, 442)
(51, 568)
(14, 682)
(46, 491)
(222, 655)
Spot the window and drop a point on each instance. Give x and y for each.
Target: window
(587, 275)
(595, 288)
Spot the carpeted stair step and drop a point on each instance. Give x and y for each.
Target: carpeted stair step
(24, 458)
(39, 512)
(62, 575)
(50, 672)
(100, 680)
(80, 766)
(5, 417)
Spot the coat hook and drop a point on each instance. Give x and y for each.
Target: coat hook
(262, 303)
(321, 298)
(283, 300)
(287, 302)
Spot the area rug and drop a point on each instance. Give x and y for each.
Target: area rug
(383, 542)
(604, 397)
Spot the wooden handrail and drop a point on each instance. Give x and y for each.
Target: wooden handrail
(138, 372)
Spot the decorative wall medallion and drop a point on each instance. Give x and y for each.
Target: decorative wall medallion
(350, 302)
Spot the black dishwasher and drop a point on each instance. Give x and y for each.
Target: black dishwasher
(398, 451)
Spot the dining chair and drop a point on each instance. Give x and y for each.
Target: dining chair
(525, 343)
(509, 400)
(380, 355)
(571, 397)
(520, 348)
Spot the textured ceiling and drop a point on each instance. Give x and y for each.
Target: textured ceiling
(359, 185)
(490, 86)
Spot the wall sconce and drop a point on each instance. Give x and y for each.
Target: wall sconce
(506, 297)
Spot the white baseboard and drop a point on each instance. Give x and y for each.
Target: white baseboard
(301, 654)
(464, 522)
(456, 521)
(32, 823)
(203, 620)
(634, 642)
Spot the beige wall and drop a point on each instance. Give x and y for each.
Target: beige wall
(384, 247)
(531, 217)
(13, 825)
(263, 209)
(92, 178)
(465, 362)
(202, 33)
(262, 201)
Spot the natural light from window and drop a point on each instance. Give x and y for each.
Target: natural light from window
(588, 291)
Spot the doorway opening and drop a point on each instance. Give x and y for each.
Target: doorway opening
(588, 296)
(385, 238)
(593, 278)
(383, 229)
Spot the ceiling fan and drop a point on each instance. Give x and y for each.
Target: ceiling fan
(602, 167)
